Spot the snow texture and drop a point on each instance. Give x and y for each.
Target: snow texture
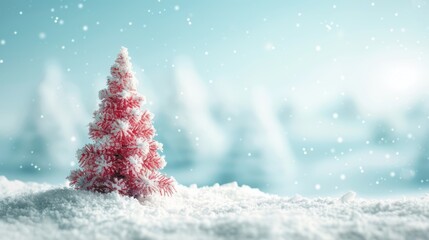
(35, 211)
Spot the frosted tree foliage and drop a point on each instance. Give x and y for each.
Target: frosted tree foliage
(124, 156)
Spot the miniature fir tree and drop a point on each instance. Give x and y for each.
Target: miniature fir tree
(124, 156)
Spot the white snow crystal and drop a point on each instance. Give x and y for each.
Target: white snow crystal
(34, 211)
(81, 182)
(120, 126)
(98, 116)
(79, 153)
(103, 93)
(117, 184)
(102, 164)
(102, 142)
(163, 163)
(160, 146)
(132, 84)
(143, 145)
(136, 112)
(136, 161)
(125, 94)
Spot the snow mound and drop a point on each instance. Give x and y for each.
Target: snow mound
(35, 211)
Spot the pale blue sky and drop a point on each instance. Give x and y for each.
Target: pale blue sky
(332, 76)
(237, 43)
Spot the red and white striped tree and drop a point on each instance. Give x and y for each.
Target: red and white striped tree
(124, 156)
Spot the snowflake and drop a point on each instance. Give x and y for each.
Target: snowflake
(145, 184)
(102, 164)
(102, 142)
(136, 161)
(81, 181)
(117, 185)
(160, 146)
(120, 126)
(136, 112)
(79, 153)
(143, 145)
(124, 94)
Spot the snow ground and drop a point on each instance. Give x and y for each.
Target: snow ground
(37, 211)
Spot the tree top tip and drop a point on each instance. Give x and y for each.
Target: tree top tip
(124, 50)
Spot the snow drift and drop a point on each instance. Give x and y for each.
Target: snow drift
(35, 211)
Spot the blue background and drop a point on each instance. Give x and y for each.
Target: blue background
(308, 97)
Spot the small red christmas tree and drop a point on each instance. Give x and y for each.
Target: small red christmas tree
(124, 157)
